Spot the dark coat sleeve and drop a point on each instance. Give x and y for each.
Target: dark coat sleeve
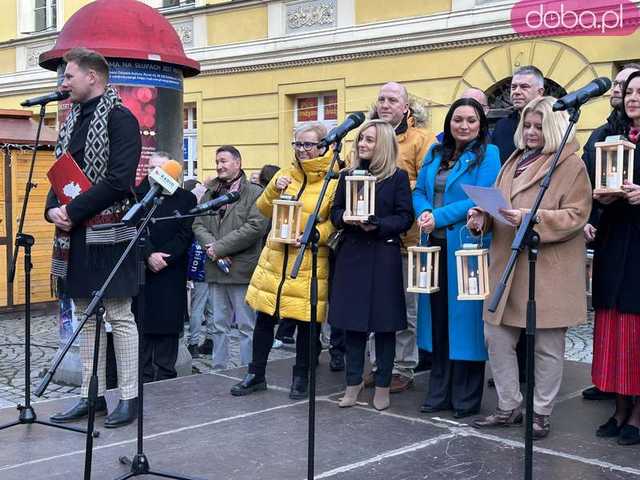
(339, 203)
(180, 242)
(51, 202)
(589, 158)
(402, 218)
(124, 155)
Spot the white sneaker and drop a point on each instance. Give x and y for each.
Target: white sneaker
(277, 343)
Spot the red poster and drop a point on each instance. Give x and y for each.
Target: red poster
(330, 107)
(308, 109)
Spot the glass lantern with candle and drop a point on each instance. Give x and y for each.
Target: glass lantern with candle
(285, 222)
(361, 195)
(423, 264)
(614, 164)
(472, 268)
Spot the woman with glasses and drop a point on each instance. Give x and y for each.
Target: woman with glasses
(272, 293)
(367, 293)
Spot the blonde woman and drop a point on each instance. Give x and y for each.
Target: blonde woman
(560, 295)
(367, 294)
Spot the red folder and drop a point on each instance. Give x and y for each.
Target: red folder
(67, 179)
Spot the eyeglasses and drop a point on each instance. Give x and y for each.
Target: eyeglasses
(306, 145)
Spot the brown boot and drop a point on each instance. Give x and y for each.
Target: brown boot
(500, 418)
(541, 426)
(400, 383)
(381, 398)
(351, 395)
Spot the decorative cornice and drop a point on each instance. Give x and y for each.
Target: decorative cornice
(362, 55)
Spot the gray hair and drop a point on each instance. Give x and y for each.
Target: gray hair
(318, 128)
(531, 70)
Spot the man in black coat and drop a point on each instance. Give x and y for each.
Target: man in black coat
(103, 138)
(589, 156)
(165, 289)
(527, 84)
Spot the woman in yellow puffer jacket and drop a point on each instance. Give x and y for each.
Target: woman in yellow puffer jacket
(272, 293)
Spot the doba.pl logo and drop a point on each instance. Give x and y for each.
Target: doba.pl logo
(573, 17)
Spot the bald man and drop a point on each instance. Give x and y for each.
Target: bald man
(394, 106)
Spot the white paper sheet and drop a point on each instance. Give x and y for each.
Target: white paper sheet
(489, 199)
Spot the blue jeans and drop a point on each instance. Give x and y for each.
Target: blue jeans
(201, 309)
(230, 305)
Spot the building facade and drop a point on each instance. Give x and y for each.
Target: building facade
(268, 65)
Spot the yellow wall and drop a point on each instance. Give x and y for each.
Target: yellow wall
(72, 6)
(7, 60)
(240, 25)
(8, 20)
(368, 11)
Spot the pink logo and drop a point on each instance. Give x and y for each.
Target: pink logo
(575, 17)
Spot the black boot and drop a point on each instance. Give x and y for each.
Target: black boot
(80, 410)
(336, 364)
(299, 388)
(249, 384)
(124, 414)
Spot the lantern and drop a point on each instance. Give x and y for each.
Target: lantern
(472, 267)
(361, 195)
(614, 164)
(285, 222)
(422, 271)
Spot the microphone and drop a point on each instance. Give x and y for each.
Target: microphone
(338, 133)
(163, 180)
(44, 99)
(595, 88)
(216, 203)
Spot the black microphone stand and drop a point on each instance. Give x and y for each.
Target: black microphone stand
(27, 414)
(139, 465)
(311, 237)
(526, 237)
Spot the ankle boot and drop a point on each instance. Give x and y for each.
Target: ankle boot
(124, 414)
(299, 388)
(351, 395)
(381, 398)
(80, 410)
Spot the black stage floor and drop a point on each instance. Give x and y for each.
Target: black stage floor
(193, 426)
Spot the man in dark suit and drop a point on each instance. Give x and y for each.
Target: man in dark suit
(165, 289)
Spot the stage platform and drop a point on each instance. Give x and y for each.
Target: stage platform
(193, 426)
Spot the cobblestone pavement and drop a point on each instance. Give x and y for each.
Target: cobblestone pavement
(44, 329)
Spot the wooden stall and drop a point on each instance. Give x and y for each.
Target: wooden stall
(17, 134)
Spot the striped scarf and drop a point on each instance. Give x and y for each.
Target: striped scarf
(96, 160)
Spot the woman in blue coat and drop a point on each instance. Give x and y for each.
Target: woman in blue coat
(453, 330)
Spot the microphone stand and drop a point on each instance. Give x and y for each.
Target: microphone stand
(526, 237)
(27, 414)
(139, 464)
(311, 237)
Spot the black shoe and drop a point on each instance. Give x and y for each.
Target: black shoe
(124, 414)
(249, 384)
(194, 350)
(609, 429)
(287, 340)
(206, 348)
(336, 364)
(431, 409)
(80, 410)
(491, 383)
(299, 388)
(629, 435)
(594, 393)
(465, 413)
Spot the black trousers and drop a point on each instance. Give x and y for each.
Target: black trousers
(263, 341)
(286, 328)
(356, 343)
(159, 354)
(337, 342)
(456, 384)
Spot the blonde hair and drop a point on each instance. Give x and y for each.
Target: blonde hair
(385, 154)
(318, 128)
(554, 124)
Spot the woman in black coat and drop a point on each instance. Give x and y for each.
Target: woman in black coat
(165, 290)
(367, 294)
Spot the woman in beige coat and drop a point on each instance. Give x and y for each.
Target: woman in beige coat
(560, 272)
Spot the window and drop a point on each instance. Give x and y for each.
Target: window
(44, 15)
(321, 107)
(177, 3)
(190, 141)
